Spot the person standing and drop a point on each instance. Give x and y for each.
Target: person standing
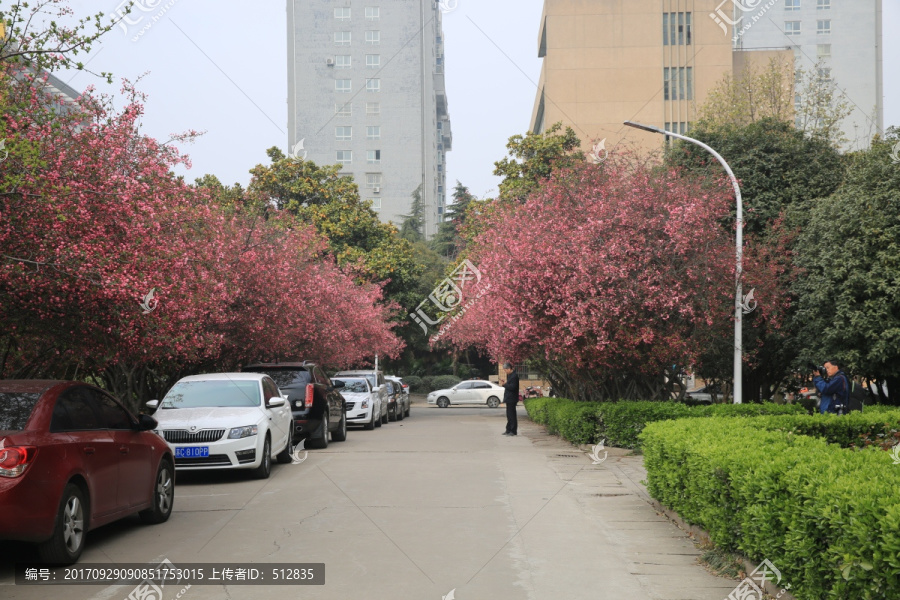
(511, 398)
(834, 390)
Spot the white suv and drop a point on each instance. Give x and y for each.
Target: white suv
(376, 382)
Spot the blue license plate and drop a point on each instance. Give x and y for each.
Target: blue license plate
(192, 452)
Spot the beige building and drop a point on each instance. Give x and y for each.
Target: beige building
(650, 61)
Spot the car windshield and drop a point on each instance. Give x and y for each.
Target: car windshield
(285, 378)
(353, 386)
(212, 393)
(15, 409)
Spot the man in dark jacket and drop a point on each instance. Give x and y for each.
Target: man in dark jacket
(834, 390)
(511, 398)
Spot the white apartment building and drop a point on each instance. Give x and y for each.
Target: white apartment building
(366, 91)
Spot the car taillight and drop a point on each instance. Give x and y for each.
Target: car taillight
(15, 459)
(310, 393)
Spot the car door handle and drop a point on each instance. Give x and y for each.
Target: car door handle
(89, 450)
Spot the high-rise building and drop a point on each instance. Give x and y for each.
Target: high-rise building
(840, 39)
(655, 61)
(366, 91)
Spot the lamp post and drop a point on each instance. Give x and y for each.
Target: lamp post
(739, 252)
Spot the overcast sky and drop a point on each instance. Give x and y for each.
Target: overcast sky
(220, 66)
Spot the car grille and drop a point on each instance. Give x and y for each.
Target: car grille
(181, 436)
(351, 405)
(213, 460)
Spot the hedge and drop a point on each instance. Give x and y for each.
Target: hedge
(620, 423)
(844, 430)
(827, 517)
(443, 382)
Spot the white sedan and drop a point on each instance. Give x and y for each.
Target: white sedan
(226, 421)
(474, 391)
(363, 403)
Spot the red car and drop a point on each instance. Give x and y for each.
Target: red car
(72, 458)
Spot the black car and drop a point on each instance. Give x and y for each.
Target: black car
(317, 405)
(395, 400)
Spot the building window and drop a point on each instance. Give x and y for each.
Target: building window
(373, 61)
(792, 28)
(373, 108)
(343, 110)
(342, 14)
(344, 157)
(373, 38)
(676, 29)
(373, 13)
(376, 203)
(341, 38)
(373, 85)
(823, 26)
(678, 83)
(791, 4)
(823, 50)
(373, 181)
(342, 61)
(343, 86)
(343, 133)
(824, 74)
(823, 4)
(373, 132)
(373, 157)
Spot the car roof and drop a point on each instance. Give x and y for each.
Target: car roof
(32, 386)
(225, 377)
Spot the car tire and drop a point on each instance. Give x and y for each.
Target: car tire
(380, 420)
(493, 402)
(340, 434)
(385, 416)
(399, 411)
(322, 442)
(371, 424)
(265, 466)
(443, 402)
(285, 456)
(392, 414)
(163, 495)
(70, 531)
(408, 407)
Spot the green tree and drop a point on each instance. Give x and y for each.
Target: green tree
(849, 253)
(533, 157)
(448, 242)
(413, 225)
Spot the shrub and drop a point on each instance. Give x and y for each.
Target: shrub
(416, 384)
(828, 518)
(442, 382)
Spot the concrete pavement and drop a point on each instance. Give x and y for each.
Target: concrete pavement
(439, 502)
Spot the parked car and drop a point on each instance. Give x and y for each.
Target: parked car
(363, 404)
(316, 403)
(396, 407)
(474, 391)
(72, 458)
(377, 382)
(226, 421)
(406, 401)
(705, 395)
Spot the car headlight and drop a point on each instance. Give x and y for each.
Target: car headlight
(365, 404)
(242, 432)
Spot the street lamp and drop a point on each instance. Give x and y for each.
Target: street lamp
(739, 252)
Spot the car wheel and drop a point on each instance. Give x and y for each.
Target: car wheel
(285, 456)
(399, 411)
(380, 420)
(371, 424)
(265, 466)
(385, 415)
(163, 496)
(67, 542)
(392, 414)
(493, 402)
(340, 434)
(443, 402)
(322, 442)
(408, 407)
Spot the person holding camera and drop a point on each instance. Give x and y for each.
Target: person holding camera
(833, 387)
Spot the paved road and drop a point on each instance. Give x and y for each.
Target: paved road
(413, 510)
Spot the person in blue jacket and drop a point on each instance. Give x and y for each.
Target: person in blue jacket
(834, 389)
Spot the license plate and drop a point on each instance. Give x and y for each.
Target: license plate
(192, 452)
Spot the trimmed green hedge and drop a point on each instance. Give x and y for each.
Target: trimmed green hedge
(828, 518)
(844, 430)
(443, 382)
(620, 423)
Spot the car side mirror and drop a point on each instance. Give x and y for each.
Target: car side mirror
(153, 404)
(147, 423)
(275, 402)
